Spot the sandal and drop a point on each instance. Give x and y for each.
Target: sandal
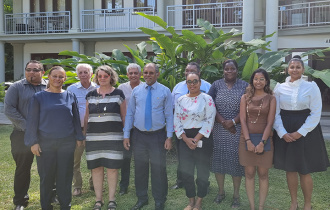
(112, 205)
(98, 207)
(197, 208)
(219, 198)
(235, 203)
(188, 208)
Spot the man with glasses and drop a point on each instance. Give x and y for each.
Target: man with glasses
(179, 90)
(150, 116)
(16, 109)
(134, 74)
(80, 89)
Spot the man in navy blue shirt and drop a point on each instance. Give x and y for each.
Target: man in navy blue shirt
(150, 112)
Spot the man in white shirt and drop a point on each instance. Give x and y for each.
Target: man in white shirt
(134, 75)
(80, 89)
(179, 90)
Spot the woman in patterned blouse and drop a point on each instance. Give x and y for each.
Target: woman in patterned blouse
(193, 122)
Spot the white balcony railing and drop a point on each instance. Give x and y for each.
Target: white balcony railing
(227, 14)
(123, 19)
(40, 22)
(304, 14)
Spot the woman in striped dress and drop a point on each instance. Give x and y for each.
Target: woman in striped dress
(104, 120)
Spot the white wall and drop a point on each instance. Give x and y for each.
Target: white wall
(109, 46)
(31, 48)
(303, 41)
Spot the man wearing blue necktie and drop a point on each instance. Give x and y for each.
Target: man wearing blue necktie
(150, 115)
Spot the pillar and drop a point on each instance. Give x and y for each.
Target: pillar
(248, 20)
(75, 16)
(272, 23)
(2, 61)
(2, 67)
(75, 45)
(161, 9)
(2, 18)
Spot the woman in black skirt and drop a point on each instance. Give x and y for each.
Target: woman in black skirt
(299, 147)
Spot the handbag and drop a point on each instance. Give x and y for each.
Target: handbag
(256, 138)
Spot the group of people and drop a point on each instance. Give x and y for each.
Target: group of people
(226, 128)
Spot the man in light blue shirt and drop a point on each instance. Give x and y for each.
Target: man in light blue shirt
(151, 136)
(179, 90)
(80, 89)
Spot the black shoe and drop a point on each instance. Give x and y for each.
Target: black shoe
(123, 191)
(139, 205)
(19, 207)
(159, 206)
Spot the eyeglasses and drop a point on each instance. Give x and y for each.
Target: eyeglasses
(192, 82)
(103, 76)
(148, 73)
(34, 70)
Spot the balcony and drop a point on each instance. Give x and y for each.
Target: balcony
(227, 14)
(304, 14)
(41, 22)
(115, 20)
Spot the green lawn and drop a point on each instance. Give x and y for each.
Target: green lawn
(278, 197)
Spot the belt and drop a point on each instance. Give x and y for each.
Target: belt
(151, 132)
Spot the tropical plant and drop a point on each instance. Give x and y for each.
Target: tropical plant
(213, 47)
(2, 92)
(210, 49)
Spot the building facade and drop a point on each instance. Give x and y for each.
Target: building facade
(40, 29)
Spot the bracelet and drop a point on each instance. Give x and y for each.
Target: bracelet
(233, 122)
(195, 141)
(264, 141)
(246, 140)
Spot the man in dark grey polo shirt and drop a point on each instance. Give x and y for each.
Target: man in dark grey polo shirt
(16, 109)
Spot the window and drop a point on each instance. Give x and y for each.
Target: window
(112, 4)
(145, 3)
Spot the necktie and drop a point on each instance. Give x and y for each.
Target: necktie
(148, 117)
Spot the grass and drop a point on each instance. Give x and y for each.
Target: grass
(278, 196)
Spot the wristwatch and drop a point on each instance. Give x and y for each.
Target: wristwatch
(264, 141)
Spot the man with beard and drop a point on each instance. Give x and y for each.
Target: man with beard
(16, 109)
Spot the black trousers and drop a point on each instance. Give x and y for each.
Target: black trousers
(149, 148)
(199, 159)
(56, 163)
(23, 158)
(178, 170)
(125, 170)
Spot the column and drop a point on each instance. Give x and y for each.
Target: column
(2, 61)
(2, 19)
(161, 8)
(248, 20)
(75, 16)
(258, 8)
(2, 67)
(18, 61)
(272, 23)
(75, 45)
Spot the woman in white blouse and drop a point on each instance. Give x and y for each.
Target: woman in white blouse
(299, 147)
(193, 123)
